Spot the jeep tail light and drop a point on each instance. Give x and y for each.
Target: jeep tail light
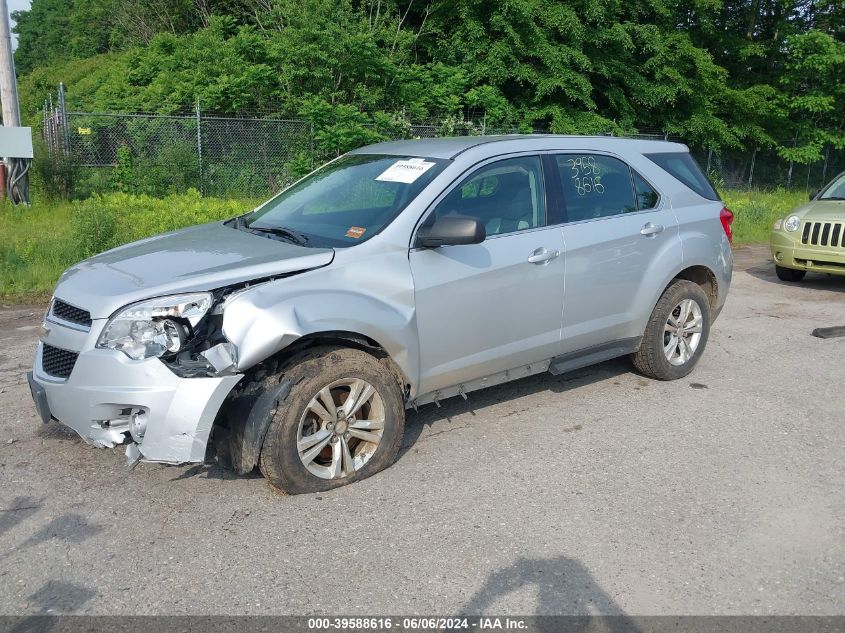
(726, 217)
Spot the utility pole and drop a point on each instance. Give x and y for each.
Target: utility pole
(8, 83)
(17, 165)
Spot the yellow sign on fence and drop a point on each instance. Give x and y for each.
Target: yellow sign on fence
(85, 131)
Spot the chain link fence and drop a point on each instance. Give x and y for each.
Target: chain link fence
(161, 154)
(253, 156)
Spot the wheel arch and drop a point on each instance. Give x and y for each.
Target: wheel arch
(241, 425)
(343, 338)
(704, 277)
(699, 274)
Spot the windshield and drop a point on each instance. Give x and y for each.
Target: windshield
(835, 190)
(346, 202)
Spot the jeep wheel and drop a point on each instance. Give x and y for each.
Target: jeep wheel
(342, 421)
(676, 333)
(789, 274)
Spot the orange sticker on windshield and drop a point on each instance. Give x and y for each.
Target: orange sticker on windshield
(355, 231)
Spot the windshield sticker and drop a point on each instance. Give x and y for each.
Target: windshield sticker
(406, 171)
(355, 231)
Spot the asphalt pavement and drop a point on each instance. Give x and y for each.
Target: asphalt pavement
(598, 491)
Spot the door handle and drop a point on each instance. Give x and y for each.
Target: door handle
(651, 229)
(542, 256)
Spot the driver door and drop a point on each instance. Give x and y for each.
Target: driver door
(484, 308)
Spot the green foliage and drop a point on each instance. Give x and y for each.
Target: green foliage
(123, 175)
(102, 222)
(40, 33)
(338, 128)
(813, 97)
(35, 249)
(726, 74)
(52, 175)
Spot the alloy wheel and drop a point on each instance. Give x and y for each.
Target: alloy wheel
(340, 429)
(682, 332)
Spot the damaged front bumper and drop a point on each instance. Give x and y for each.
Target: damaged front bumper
(110, 399)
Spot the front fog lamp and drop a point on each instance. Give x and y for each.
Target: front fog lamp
(155, 327)
(792, 223)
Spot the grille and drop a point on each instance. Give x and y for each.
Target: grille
(67, 312)
(830, 234)
(57, 362)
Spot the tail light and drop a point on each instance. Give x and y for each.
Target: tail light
(726, 217)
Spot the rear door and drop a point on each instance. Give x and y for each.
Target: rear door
(616, 225)
(484, 308)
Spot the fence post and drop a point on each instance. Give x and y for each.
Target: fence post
(50, 135)
(199, 148)
(45, 133)
(311, 142)
(751, 171)
(64, 132)
(824, 167)
(709, 160)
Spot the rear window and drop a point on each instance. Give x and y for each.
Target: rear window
(683, 167)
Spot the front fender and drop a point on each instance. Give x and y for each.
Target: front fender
(373, 297)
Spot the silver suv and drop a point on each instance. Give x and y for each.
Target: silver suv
(295, 337)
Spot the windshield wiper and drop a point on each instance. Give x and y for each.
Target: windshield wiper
(833, 198)
(288, 234)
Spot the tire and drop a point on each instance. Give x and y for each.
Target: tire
(651, 358)
(321, 377)
(789, 274)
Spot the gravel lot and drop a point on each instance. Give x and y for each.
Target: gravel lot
(597, 491)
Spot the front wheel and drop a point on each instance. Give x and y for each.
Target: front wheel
(789, 274)
(342, 421)
(676, 334)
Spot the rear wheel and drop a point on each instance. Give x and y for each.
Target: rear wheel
(342, 421)
(789, 274)
(676, 334)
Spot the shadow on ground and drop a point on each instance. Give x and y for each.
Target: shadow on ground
(427, 415)
(815, 281)
(19, 510)
(563, 587)
(52, 599)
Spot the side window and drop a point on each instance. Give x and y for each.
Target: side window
(506, 196)
(647, 197)
(683, 167)
(595, 186)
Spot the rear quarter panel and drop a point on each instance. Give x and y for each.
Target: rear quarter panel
(701, 240)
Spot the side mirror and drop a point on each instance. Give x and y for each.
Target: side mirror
(451, 230)
(814, 194)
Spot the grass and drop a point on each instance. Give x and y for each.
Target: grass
(35, 247)
(754, 212)
(38, 243)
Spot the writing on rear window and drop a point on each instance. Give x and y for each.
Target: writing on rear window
(586, 175)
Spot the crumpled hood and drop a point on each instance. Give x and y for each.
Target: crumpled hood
(201, 257)
(829, 210)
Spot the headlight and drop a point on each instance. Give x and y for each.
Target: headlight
(155, 327)
(792, 223)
